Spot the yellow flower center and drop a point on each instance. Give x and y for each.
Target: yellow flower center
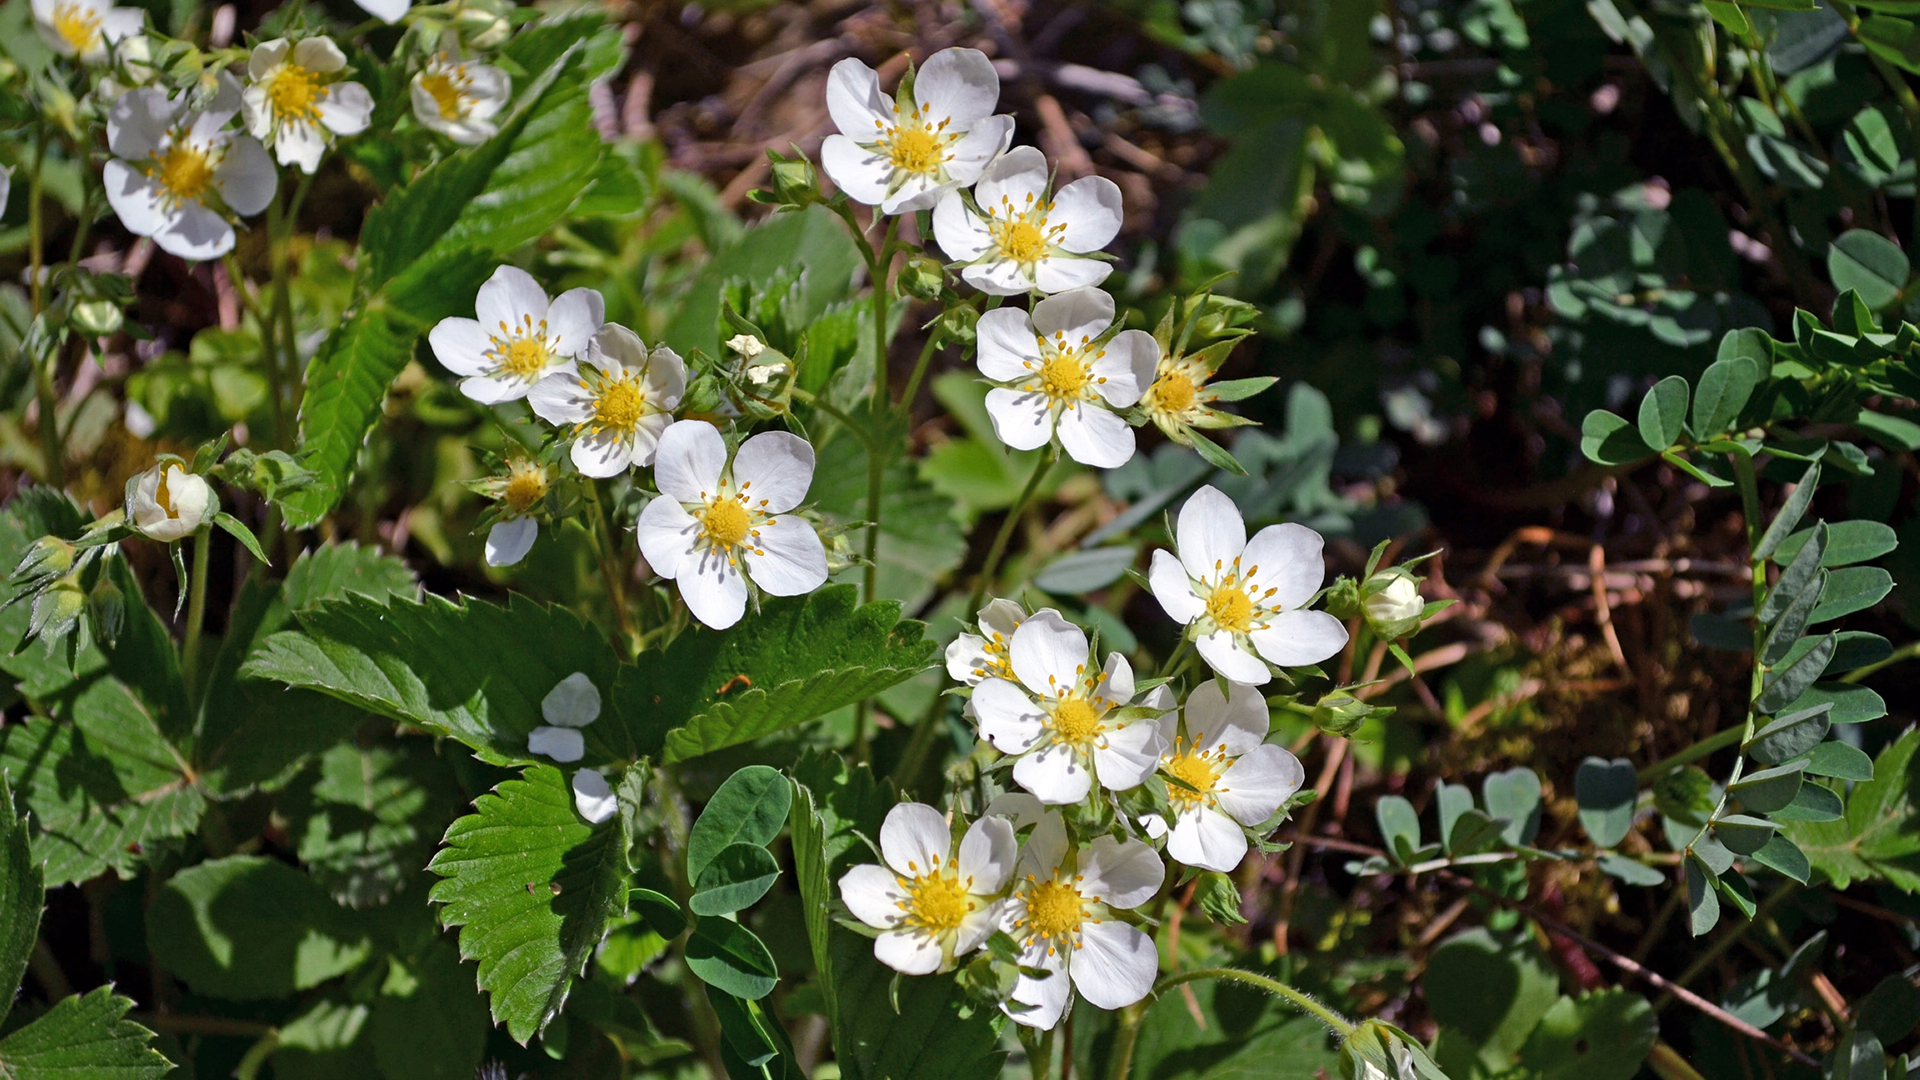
(78, 26)
(1197, 770)
(916, 150)
(1075, 721)
(1055, 909)
(185, 171)
(295, 93)
(446, 95)
(1021, 241)
(618, 406)
(999, 664)
(163, 495)
(1173, 392)
(1230, 608)
(523, 356)
(937, 902)
(526, 485)
(1064, 375)
(725, 522)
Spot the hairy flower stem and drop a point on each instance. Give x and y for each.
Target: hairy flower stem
(607, 548)
(196, 607)
(283, 375)
(1130, 1017)
(1014, 513)
(36, 226)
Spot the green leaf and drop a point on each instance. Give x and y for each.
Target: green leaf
(729, 957)
(1399, 826)
(1663, 412)
(1785, 856)
(1851, 589)
(1610, 440)
(1789, 681)
(432, 242)
(429, 1023)
(370, 816)
(1896, 40)
(1491, 988)
(247, 928)
(1247, 1036)
(1080, 572)
(1768, 789)
(235, 528)
(1791, 734)
(1743, 834)
(1703, 902)
(1866, 262)
(1790, 513)
(1630, 871)
(1723, 392)
(1515, 796)
(330, 1039)
(1603, 1035)
(920, 540)
(23, 892)
(813, 239)
(737, 878)
(83, 1036)
(1606, 792)
(749, 808)
(1852, 703)
(1838, 760)
(532, 888)
(1875, 839)
(1799, 577)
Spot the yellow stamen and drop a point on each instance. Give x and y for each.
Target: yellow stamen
(1230, 608)
(1075, 721)
(295, 93)
(937, 902)
(526, 485)
(726, 522)
(1020, 240)
(525, 356)
(916, 150)
(1197, 770)
(185, 171)
(1064, 375)
(618, 405)
(1055, 909)
(1173, 392)
(78, 26)
(446, 95)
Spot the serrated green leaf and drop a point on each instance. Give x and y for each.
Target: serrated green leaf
(83, 1036)
(368, 817)
(532, 888)
(1663, 412)
(1607, 792)
(247, 928)
(1724, 390)
(23, 892)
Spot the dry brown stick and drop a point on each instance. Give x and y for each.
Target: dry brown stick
(1602, 610)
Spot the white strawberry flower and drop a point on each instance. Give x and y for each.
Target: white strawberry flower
(717, 524)
(902, 155)
(573, 703)
(296, 102)
(1061, 914)
(1232, 777)
(85, 30)
(175, 174)
(973, 657)
(519, 338)
(459, 98)
(523, 488)
(1054, 374)
(168, 503)
(1244, 600)
(593, 799)
(1061, 721)
(934, 900)
(1020, 238)
(618, 404)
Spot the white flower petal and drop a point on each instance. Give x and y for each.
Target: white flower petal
(908, 952)
(592, 797)
(958, 85)
(137, 121)
(320, 54)
(346, 108)
(914, 839)
(195, 233)
(874, 895)
(1207, 840)
(987, 855)
(602, 454)
(1077, 314)
(960, 233)
(774, 469)
(1224, 655)
(1298, 638)
(489, 390)
(1154, 824)
(387, 11)
(1049, 996)
(509, 541)
(1121, 873)
(510, 296)
(560, 399)
(1022, 808)
(1008, 718)
(1009, 350)
(1171, 586)
(1256, 785)
(1237, 721)
(977, 926)
(1116, 680)
(861, 173)
(1048, 653)
(1055, 774)
(1094, 436)
(1288, 558)
(854, 99)
(967, 659)
(1115, 965)
(1046, 848)
(300, 143)
(561, 744)
(916, 192)
(573, 702)
(1022, 419)
(1002, 617)
(1090, 209)
(1019, 176)
(788, 558)
(573, 320)
(970, 156)
(134, 197)
(713, 587)
(1210, 534)
(667, 535)
(1128, 366)
(1058, 273)
(999, 277)
(460, 345)
(1129, 756)
(689, 460)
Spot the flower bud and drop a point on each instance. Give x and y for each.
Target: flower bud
(957, 324)
(1340, 713)
(168, 503)
(794, 182)
(923, 277)
(46, 557)
(480, 27)
(1393, 604)
(98, 318)
(57, 610)
(1379, 1051)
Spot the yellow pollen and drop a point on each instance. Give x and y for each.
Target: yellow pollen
(1197, 770)
(1064, 375)
(1173, 392)
(295, 93)
(1075, 721)
(185, 171)
(1021, 241)
(937, 902)
(77, 26)
(1055, 909)
(526, 485)
(445, 94)
(618, 405)
(725, 522)
(525, 357)
(1230, 608)
(915, 150)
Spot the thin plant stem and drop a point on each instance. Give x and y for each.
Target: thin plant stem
(919, 372)
(999, 548)
(1718, 740)
(1130, 1018)
(36, 225)
(607, 548)
(257, 1055)
(881, 409)
(196, 605)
